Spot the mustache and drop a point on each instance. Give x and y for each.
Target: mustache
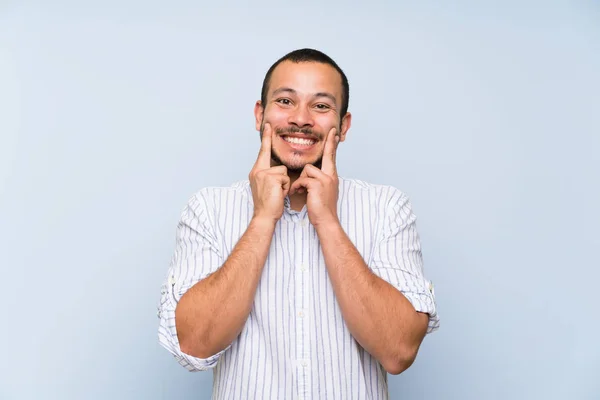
(295, 129)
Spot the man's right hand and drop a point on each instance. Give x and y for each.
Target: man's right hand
(269, 184)
(205, 331)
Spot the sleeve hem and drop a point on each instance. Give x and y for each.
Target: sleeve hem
(424, 303)
(191, 363)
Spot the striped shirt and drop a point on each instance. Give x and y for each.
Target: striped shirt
(295, 343)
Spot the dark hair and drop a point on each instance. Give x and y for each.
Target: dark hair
(308, 55)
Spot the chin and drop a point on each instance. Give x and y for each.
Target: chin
(298, 167)
(293, 164)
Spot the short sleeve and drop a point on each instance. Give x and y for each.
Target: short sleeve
(197, 255)
(397, 256)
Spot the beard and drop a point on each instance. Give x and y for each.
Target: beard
(294, 166)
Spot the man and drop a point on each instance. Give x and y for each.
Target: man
(298, 283)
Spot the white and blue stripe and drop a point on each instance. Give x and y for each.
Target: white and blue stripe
(295, 343)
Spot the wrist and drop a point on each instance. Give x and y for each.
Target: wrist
(263, 223)
(330, 233)
(328, 224)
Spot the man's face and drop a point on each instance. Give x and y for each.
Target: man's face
(302, 105)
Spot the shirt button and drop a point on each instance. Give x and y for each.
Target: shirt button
(171, 280)
(301, 314)
(303, 268)
(303, 223)
(304, 364)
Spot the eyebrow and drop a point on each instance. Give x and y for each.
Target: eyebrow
(292, 91)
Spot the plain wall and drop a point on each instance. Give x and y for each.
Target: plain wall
(487, 115)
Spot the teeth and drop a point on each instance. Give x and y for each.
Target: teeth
(298, 140)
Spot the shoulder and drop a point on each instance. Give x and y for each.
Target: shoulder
(211, 197)
(384, 195)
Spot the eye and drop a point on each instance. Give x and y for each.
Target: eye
(322, 107)
(284, 101)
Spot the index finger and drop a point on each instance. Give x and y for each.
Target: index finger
(328, 165)
(264, 155)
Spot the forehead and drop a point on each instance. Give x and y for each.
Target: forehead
(307, 78)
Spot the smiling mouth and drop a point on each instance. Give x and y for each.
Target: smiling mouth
(304, 142)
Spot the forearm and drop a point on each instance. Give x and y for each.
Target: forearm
(212, 313)
(379, 317)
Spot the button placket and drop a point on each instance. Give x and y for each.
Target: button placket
(302, 250)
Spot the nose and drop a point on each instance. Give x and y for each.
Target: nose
(301, 117)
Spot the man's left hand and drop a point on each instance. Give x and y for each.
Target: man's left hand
(321, 185)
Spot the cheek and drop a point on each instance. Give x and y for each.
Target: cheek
(276, 115)
(328, 121)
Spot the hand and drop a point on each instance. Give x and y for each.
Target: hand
(321, 185)
(269, 184)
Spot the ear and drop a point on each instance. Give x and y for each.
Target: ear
(346, 122)
(258, 114)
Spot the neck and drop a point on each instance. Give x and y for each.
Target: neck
(297, 200)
